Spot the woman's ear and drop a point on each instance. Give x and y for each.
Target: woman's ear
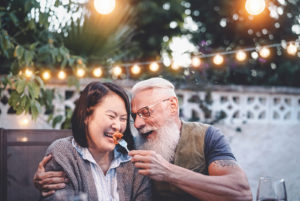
(86, 120)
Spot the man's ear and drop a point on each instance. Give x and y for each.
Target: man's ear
(174, 104)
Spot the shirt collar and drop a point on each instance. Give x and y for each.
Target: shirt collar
(86, 155)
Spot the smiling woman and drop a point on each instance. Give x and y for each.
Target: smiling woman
(92, 161)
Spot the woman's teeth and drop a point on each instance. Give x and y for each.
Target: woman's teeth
(108, 135)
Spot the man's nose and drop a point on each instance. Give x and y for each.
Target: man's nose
(139, 122)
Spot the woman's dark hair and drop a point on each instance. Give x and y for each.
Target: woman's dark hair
(93, 94)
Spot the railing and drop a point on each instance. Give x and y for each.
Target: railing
(237, 104)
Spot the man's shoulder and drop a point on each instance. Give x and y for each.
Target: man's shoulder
(61, 144)
(195, 128)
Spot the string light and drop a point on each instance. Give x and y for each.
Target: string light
(264, 52)
(196, 62)
(117, 71)
(218, 59)
(80, 72)
(175, 66)
(241, 55)
(46, 75)
(104, 6)
(61, 75)
(28, 73)
(135, 69)
(255, 7)
(154, 67)
(292, 49)
(97, 72)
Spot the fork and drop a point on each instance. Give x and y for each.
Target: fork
(123, 143)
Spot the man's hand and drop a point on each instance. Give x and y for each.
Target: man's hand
(150, 164)
(48, 182)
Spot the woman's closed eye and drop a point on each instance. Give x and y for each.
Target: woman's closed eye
(123, 119)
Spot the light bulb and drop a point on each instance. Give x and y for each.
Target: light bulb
(292, 49)
(97, 72)
(175, 66)
(104, 6)
(61, 75)
(196, 61)
(241, 55)
(218, 59)
(117, 71)
(135, 69)
(28, 73)
(255, 7)
(46, 75)
(80, 72)
(264, 52)
(154, 67)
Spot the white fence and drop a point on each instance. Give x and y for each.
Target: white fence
(239, 104)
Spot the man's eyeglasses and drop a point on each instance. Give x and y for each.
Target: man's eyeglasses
(144, 112)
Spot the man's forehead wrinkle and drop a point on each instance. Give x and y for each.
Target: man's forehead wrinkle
(147, 97)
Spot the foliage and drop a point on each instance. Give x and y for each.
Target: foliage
(29, 38)
(240, 30)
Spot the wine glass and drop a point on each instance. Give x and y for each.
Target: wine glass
(70, 196)
(271, 189)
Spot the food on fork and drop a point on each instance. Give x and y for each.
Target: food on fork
(117, 136)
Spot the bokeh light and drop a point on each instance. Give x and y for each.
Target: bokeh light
(97, 72)
(28, 73)
(80, 72)
(218, 59)
(46, 75)
(175, 66)
(292, 49)
(61, 75)
(241, 55)
(196, 61)
(255, 7)
(264, 52)
(117, 71)
(154, 67)
(104, 7)
(135, 69)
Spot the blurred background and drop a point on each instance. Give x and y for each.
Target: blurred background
(235, 64)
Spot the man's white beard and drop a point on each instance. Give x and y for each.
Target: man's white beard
(164, 143)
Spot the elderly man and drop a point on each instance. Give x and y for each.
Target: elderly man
(186, 160)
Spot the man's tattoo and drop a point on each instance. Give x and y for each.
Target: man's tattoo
(225, 163)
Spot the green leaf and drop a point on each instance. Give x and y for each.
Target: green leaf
(34, 90)
(14, 19)
(19, 51)
(20, 86)
(34, 111)
(56, 120)
(40, 81)
(28, 57)
(27, 106)
(14, 99)
(23, 101)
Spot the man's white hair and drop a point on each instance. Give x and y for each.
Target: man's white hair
(154, 83)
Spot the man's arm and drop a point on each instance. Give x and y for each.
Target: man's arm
(226, 180)
(48, 182)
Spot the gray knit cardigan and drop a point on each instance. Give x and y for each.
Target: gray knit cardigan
(131, 185)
